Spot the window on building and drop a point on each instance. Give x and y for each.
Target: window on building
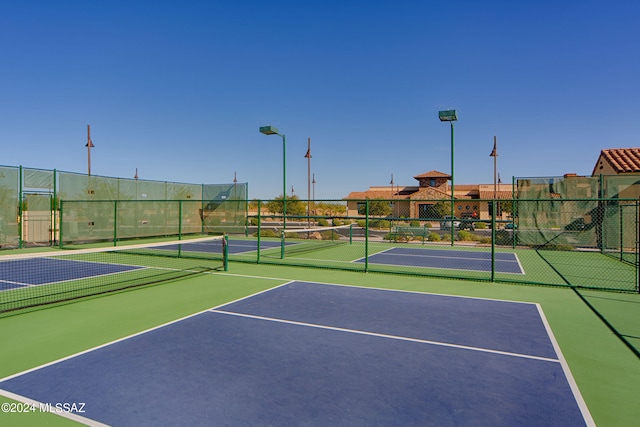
(428, 211)
(498, 209)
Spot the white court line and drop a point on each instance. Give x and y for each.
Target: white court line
(584, 409)
(516, 260)
(375, 334)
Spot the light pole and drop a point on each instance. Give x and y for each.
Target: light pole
(313, 206)
(270, 130)
(89, 146)
(308, 157)
(494, 154)
(450, 116)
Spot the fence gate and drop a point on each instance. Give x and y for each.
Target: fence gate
(37, 219)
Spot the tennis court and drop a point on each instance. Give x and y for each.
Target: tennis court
(504, 262)
(285, 345)
(396, 358)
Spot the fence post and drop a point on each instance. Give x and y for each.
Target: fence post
(115, 222)
(493, 239)
(179, 219)
(225, 252)
(60, 227)
(259, 231)
(366, 235)
(20, 211)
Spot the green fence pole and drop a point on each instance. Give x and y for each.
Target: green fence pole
(225, 252)
(246, 210)
(115, 222)
(180, 220)
(60, 228)
(366, 236)
(493, 239)
(259, 232)
(350, 233)
(202, 209)
(514, 210)
(424, 233)
(54, 210)
(20, 210)
(621, 234)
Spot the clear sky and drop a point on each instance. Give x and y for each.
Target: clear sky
(178, 89)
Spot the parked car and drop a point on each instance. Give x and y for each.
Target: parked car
(467, 221)
(445, 222)
(511, 226)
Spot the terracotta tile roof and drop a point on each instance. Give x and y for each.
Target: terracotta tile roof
(465, 187)
(623, 160)
(432, 174)
(361, 195)
(500, 195)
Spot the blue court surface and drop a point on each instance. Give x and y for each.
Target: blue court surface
(43, 271)
(316, 354)
(505, 262)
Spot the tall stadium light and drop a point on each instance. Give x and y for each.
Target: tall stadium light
(270, 130)
(450, 116)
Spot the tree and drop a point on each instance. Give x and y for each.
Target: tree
(379, 207)
(294, 206)
(442, 209)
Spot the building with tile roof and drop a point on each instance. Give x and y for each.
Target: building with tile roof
(433, 187)
(618, 170)
(616, 161)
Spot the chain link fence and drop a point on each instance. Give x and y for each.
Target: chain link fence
(584, 243)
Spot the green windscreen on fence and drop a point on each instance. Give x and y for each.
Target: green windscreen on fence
(31, 198)
(9, 208)
(225, 208)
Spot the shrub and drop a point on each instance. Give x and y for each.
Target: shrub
(330, 235)
(322, 222)
(434, 237)
(414, 223)
(362, 223)
(480, 225)
(336, 222)
(465, 235)
(266, 233)
(380, 223)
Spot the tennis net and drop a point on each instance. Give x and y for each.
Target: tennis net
(33, 279)
(313, 239)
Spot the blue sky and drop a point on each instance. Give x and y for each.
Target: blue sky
(178, 89)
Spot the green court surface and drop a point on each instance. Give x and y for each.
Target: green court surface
(598, 332)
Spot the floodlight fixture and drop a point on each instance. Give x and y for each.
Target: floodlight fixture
(448, 115)
(269, 130)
